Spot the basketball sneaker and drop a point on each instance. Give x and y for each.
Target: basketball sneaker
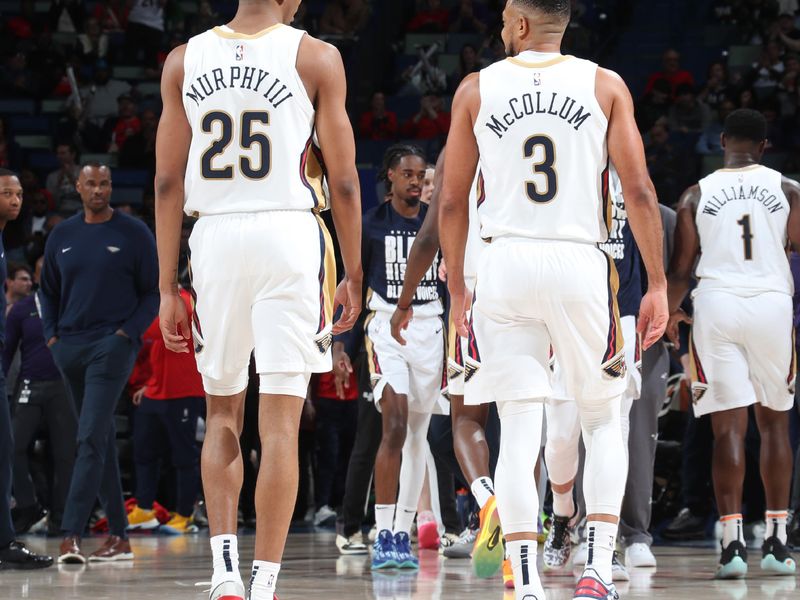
(142, 520)
(351, 545)
(732, 562)
(403, 555)
(462, 547)
(776, 558)
(508, 575)
(591, 586)
(384, 554)
(228, 590)
(639, 555)
(178, 525)
(427, 531)
(558, 545)
(618, 570)
(488, 552)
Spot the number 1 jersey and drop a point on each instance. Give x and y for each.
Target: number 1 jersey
(742, 219)
(252, 124)
(543, 153)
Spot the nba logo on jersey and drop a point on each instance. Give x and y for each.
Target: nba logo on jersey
(537, 79)
(239, 52)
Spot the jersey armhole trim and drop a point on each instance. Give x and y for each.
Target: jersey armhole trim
(301, 85)
(233, 35)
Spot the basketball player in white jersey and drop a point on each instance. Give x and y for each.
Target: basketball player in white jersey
(739, 220)
(244, 107)
(543, 128)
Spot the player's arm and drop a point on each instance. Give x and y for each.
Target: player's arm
(172, 152)
(791, 190)
(686, 248)
(461, 161)
(320, 66)
(626, 151)
(422, 254)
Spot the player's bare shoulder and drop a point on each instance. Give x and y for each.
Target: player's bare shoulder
(610, 88)
(173, 67)
(791, 188)
(318, 62)
(468, 95)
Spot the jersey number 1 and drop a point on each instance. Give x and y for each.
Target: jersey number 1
(544, 167)
(747, 236)
(247, 139)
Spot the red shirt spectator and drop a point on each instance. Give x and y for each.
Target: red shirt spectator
(672, 73)
(433, 19)
(166, 375)
(326, 387)
(378, 123)
(430, 122)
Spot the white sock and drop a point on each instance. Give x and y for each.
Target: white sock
(563, 505)
(482, 489)
(601, 537)
(732, 529)
(384, 516)
(522, 554)
(403, 518)
(776, 524)
(263, 580)
(225, 556)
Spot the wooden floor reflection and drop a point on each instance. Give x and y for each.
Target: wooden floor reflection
(170, 569)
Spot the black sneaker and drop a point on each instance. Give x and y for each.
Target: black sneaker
(557, 546)
(776, 558)
(17, 556)
(686, 526)
(26, 517)
(732, 562)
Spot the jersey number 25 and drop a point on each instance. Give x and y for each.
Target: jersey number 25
(248, 138)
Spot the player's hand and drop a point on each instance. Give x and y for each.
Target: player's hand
(342, 369)
(460, 303)
(653, 316)
(174, 323)
(348, 296)
(443, 271)
(676, 319)
(136, 399)
(400, 320)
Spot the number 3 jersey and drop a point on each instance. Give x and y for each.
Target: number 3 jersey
(252, 124)
(741, 219)
(543, 154)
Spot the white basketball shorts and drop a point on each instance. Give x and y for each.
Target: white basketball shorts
(742, 351)
(262, 281)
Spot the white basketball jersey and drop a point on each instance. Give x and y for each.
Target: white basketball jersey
(252, 124)
(475, 244)
(543, 154)
(741, 220)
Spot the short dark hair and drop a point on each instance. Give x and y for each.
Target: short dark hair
(394, 154)
(7, 173)
(15, 267)
(559, 8)
(746, 124)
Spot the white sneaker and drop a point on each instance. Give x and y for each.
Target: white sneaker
(373, 534)
(581, 554)
(639, 555)
(352, 545)
(230, 590)
(324, 516)
(618, 570)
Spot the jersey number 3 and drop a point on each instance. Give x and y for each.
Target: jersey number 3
(543, 167)
(248, 138)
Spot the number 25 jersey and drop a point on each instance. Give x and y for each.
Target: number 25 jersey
(543, 155)
(252, 123)
(742, 219)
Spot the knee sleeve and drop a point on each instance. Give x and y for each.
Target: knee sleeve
(563, 439)
(412, 469)
(284, 384)
(515, 483)
(606, 469)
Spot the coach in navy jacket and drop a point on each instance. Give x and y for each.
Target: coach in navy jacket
(99, 292)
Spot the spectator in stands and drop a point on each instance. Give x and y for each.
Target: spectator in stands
(9, 149)
(776, 132)
(469, 61)
(344, 17)
(39, 213)
(767, 72)
(125, 125)
(717, 87)
(469, 17)
(433, 18)
(655, 105)
(93, 43)
(710, 141)
(41, 403)
(378, 123)
(747, 99)
(61, 182)
(427, 184)
(425, 77)
(19, 283)
(787, 93)
(112, 14)
(144, 33)
(66, 16)
(168, 406)
(431, 122)
(671, 72)
(139, 150)
(94, 332)
(100, 97)
(666, 165)
(18, 80)
(687, 115)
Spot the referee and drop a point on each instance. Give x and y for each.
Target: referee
(99, 292)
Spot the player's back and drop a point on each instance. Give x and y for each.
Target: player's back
(252, 123)
(742, 220)
(543, 155)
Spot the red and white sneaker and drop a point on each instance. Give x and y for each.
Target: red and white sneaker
(592, 587)
(228, 590)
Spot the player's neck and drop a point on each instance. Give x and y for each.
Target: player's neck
(255, 17)
(404, 209)
(544, 45)
(737, 160)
